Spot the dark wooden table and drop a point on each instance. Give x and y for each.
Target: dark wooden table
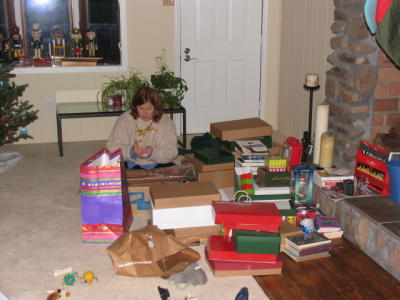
(75, 110)
(348, 274)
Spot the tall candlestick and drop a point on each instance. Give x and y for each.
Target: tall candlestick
(312, 80)
(326, 152)
(321, 125)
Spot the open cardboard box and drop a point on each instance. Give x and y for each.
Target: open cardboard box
(222, 175)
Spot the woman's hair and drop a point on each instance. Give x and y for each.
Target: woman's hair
(147, 94)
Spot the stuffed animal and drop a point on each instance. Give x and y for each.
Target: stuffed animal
(53, 295)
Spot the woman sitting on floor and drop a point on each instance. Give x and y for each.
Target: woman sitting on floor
(145, 135)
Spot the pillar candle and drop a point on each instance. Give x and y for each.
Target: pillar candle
(312, 80)
(326, 152)
(321, 125)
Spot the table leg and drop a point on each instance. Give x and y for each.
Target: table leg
(59, 136)
(184, 130)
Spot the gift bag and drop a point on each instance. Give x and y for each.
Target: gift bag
(105, 207)
(150, 252)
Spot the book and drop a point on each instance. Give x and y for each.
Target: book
(328, 177)
(253, 163)
(333, 234)
(309, 251)
(306, 257)
(307, 240)
(251, 213)
(251, 147)
(327, 224)
(259, 190)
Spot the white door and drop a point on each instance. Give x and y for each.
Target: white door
(220, 53)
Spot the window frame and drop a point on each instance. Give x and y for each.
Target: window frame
(17, 19)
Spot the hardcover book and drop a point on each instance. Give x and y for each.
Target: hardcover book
(250, 213)
(309, 251)
(307, 240)
(307, 257)
(251, 147)
(327, 224)
(259, 190)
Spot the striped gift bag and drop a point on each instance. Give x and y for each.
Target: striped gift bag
(105, 207)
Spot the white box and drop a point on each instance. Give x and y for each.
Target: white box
(182, 217)
(330, 176)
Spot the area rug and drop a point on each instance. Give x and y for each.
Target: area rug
(40, 233)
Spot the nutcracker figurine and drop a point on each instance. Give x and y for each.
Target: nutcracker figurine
(16, 44)
(58, 42)
(4, 48)
(36, 41)
(76, 42)
(91, 43)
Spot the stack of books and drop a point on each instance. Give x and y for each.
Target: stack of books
(307, 246)
(328, 226)
(250, 153)
(251, 243)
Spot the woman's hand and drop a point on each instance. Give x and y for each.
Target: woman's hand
(142, 152)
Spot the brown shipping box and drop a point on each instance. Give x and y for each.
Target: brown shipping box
(139, 197)
(183, 194)
(222, 175)
(240, 129)
(194, 235)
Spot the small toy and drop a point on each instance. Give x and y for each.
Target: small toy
(76, 41)
(4, 48)
(53, 295)
(70, 278)
(91, 43)
(36, 41)
(88, 277)
(58, 42)
(302, 183)
(16, 43)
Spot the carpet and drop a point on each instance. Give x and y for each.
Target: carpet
(40, 233)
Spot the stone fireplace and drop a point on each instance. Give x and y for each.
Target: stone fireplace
(362, 86)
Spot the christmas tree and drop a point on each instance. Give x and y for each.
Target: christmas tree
(15, 115)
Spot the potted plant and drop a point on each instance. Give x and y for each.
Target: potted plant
(170, 87)
(119, 91)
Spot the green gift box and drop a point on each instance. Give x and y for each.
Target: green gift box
(272, 179)
(260, 242)
(213, 156)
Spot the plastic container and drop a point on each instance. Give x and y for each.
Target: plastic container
(394, 180)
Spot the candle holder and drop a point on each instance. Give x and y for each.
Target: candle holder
(307, 139)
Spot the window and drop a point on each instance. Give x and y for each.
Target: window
(61, 32)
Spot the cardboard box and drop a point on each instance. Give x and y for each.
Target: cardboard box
(240, 129)
(183, 194)
(140, 199)
(220, 179)
(182, 217)
(222, 175)
(272, 179)
(251, 241)
(194, 235)
(203, 167)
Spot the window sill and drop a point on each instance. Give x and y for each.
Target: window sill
(64, 69)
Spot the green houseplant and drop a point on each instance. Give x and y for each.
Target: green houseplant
(170, 87)
(124, 86)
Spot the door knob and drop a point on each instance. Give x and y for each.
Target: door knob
(187, 51)
(188, 58)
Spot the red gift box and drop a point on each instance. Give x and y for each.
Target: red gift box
(247, 213)
(223, 248)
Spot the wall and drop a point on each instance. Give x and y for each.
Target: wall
(305, 36)
(150, 28)
(386, 110)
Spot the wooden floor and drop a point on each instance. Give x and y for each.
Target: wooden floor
(348, 274)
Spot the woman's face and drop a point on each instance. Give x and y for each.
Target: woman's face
(146, 111)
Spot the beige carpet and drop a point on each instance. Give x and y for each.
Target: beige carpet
(40, 233)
